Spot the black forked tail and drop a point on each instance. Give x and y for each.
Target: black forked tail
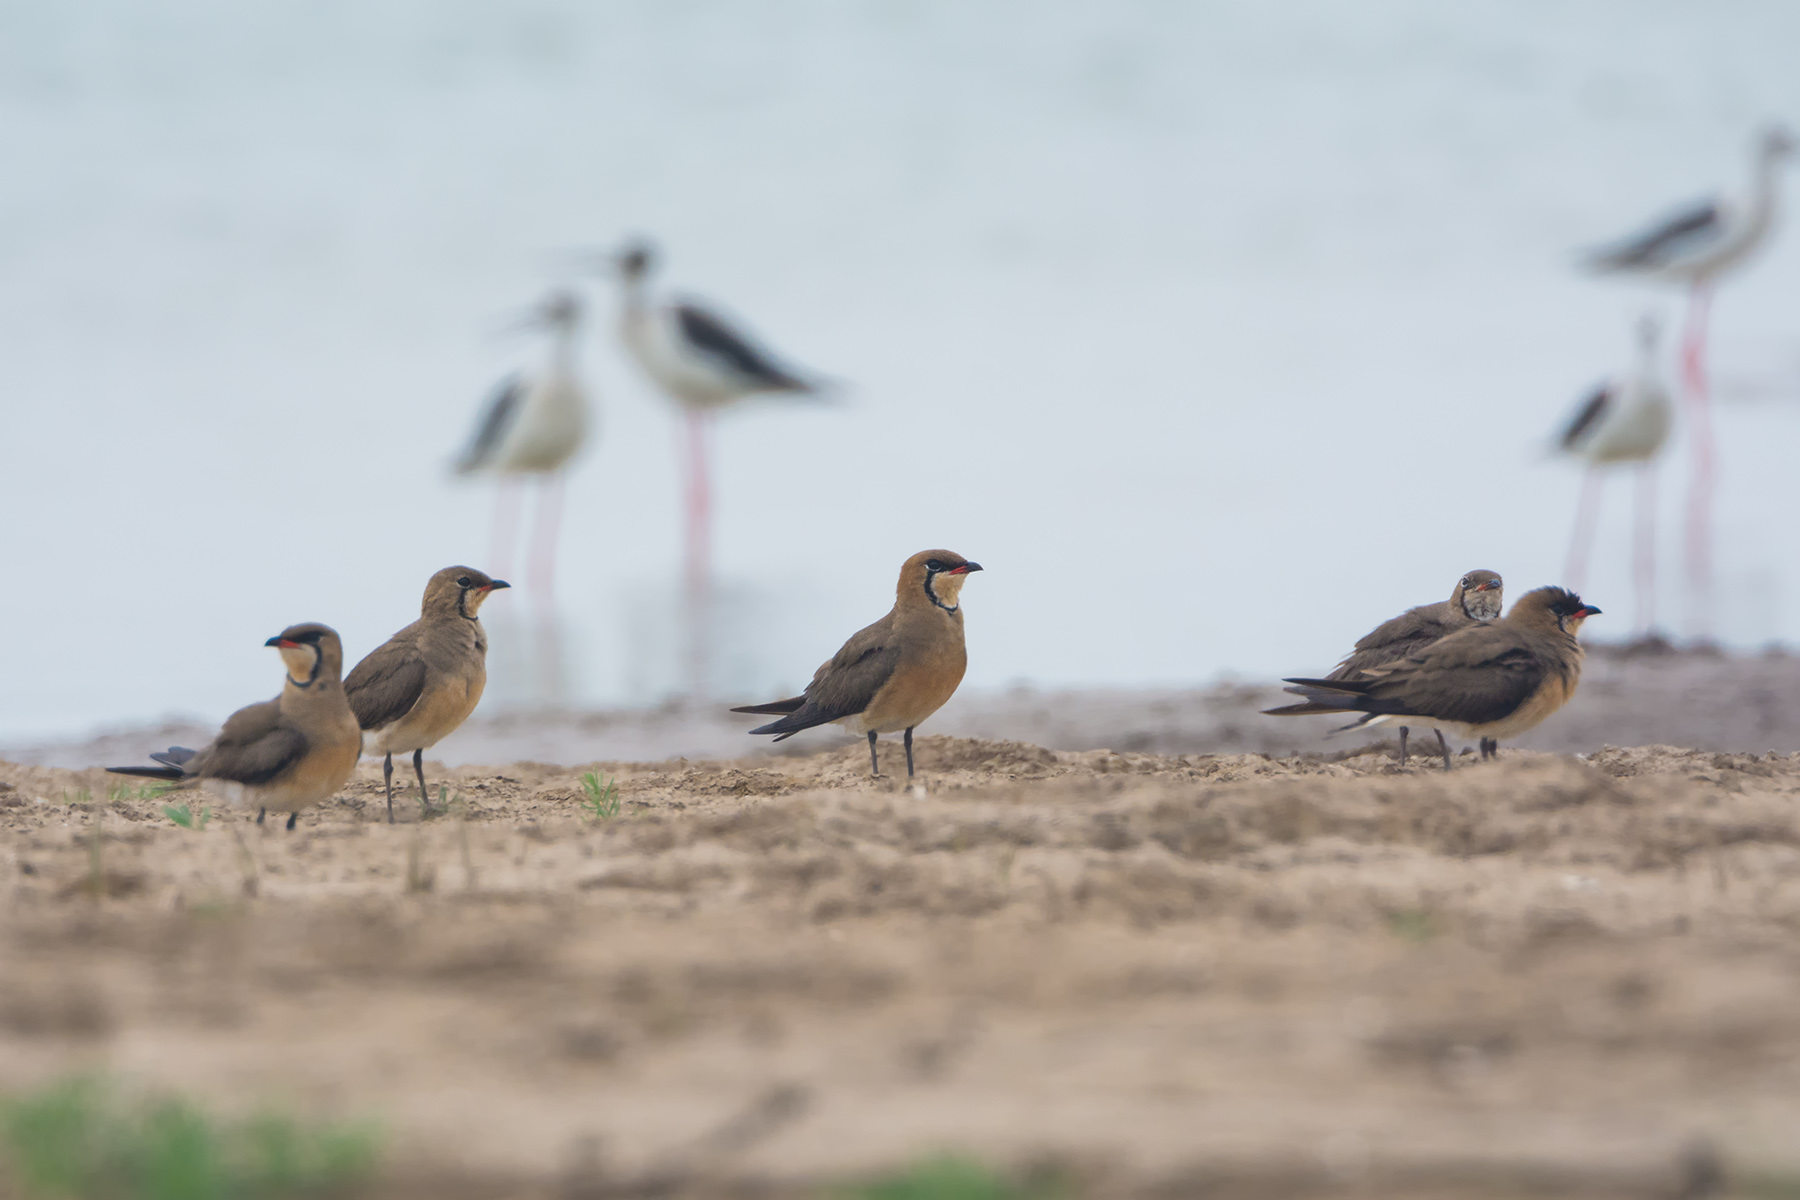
(150, 772)
(773, 706)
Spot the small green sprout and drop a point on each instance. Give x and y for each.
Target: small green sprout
(185, 816)
(602, 803)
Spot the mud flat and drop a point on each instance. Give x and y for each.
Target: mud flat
(1143, 975)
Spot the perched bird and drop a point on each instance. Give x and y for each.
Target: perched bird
(1476, 597)
(288, 753)
(416, 688)
(704, 363)
(533, 426)
(1624, 420)
(1693, 248)
(1492, 680)
(896, 672)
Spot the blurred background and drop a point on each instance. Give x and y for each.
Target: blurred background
(1216, 332)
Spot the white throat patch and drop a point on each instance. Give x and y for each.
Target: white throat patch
(947, 588)
(301, 660)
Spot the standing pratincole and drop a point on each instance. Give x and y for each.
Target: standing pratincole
(1693, 248)
(419, 686)
(534, 424)
(893, 674)
(288, 753)
(703, 363)
(1624, 420)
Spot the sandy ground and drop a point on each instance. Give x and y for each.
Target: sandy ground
(1150, 975)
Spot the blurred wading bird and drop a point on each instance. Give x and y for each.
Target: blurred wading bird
(1493, 680)
(416, 688)
(703, 363)
(534, 425)
(288, 753)
(1624, 420)
(1476, 597)
(1693, 248)
(893, 674)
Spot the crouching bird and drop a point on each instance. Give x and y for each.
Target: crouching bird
(892, 675)
(416, 688)
(1492, 680)
(1476, 597)
(288, 753)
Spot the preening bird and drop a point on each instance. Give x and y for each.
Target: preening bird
(1623, 421)
(704, 363)
(1492, 680)
(288, 753)
(1476, 597)
(532, 427)
(420, 685)
(893, 674)
(1693, 248)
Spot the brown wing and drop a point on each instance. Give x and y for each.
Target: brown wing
(1478, 675)
(1407, 634)
(844, 686)
(254, 747)
(385, 685)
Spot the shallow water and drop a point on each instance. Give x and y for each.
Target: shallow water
(1217, 334)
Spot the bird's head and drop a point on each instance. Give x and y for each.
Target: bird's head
(1478, 594)
(939, 574)
(1553, 606)
(1778, 143)
(309, 652)
(458, 591)
(634, 260)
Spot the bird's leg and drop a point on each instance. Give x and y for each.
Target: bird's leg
(698, 568)
(1489, 749)
(1644, 548)
(507, 497)
(874, 763)
(1587, 515)
(260, 814)
(387, 777)
(293, 818)
(419, 770)
(1703, 476)
(543, 542)
(1403, 733)
(1444, 748)
(908, 740)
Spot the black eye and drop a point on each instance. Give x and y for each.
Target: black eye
(462, 581)
(932, 564)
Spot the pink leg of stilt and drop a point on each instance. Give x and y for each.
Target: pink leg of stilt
(697, 573)
(1643, 557)
(1587, 513)
(1704, 479)
(506, 519)
(542, 568)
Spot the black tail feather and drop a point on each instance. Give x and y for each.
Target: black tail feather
(150, 772)
(772, 707)
(1354, 687)
(174, 756)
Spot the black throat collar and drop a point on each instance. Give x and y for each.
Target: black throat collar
(933, 596)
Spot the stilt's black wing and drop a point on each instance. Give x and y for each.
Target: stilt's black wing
(1665, 240)
(735, 352)
(502, 411)
(1587, 417)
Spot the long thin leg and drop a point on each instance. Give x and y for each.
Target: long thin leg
(874, 763)
(1704, 478)
(293, 818)
(1403, 732)
(908, 740)
(697, 575)
(1587, 515)
(1489, 749)
(419, 770)
(1443, 747)
(547, 524)
(1643, 558)
(387, 777)
(507, 496)
(260, 814)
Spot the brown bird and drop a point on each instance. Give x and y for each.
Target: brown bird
(892, 675)
(1492, 680)
(416, 688)
(1476, 597)
(288, 753)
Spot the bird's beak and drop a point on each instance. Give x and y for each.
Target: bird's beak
(282, 642)
(1486, 586)
(1586, 611)
(494, 585)
(964, 569)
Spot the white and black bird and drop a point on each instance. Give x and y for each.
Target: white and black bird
(703, 362)
(1625, 421)
(533, 426)
(1692, 248)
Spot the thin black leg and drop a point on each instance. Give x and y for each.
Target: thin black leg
(909, 752)
(874, 763)
(387, 777)
(1403, 732)
(292, 818)
(419, 770)
(260, 814)
(1489, 749)
(1445, 747)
